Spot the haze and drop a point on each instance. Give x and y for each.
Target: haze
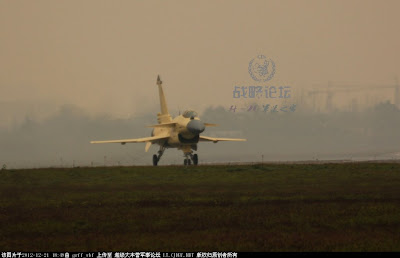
(100, 59)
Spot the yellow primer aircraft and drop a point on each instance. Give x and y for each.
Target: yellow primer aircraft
(182, 132)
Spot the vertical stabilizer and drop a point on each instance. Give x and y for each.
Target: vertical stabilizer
(164, 116)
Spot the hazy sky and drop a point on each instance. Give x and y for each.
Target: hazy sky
(105, 55)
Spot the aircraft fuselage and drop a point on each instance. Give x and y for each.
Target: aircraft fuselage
(185, 132)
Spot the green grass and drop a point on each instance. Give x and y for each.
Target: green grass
(324, 207)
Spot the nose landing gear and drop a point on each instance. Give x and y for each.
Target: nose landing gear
(189, 157)
(186, 162)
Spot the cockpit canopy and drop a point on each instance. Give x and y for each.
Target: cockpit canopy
(189, 114)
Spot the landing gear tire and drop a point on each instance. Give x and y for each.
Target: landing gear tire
(155, 160)
(195, 159)
(187, 162)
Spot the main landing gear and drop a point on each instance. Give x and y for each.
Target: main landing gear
(156, 158)
(189, 157)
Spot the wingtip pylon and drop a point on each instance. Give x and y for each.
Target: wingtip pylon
(158, 79)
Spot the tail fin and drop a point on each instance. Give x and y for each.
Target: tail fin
(164, 116)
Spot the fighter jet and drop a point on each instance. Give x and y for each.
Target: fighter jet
(182, 132)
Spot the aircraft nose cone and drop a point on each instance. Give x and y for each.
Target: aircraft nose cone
(195, 126)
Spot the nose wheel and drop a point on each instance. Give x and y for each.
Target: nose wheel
(189, 158)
